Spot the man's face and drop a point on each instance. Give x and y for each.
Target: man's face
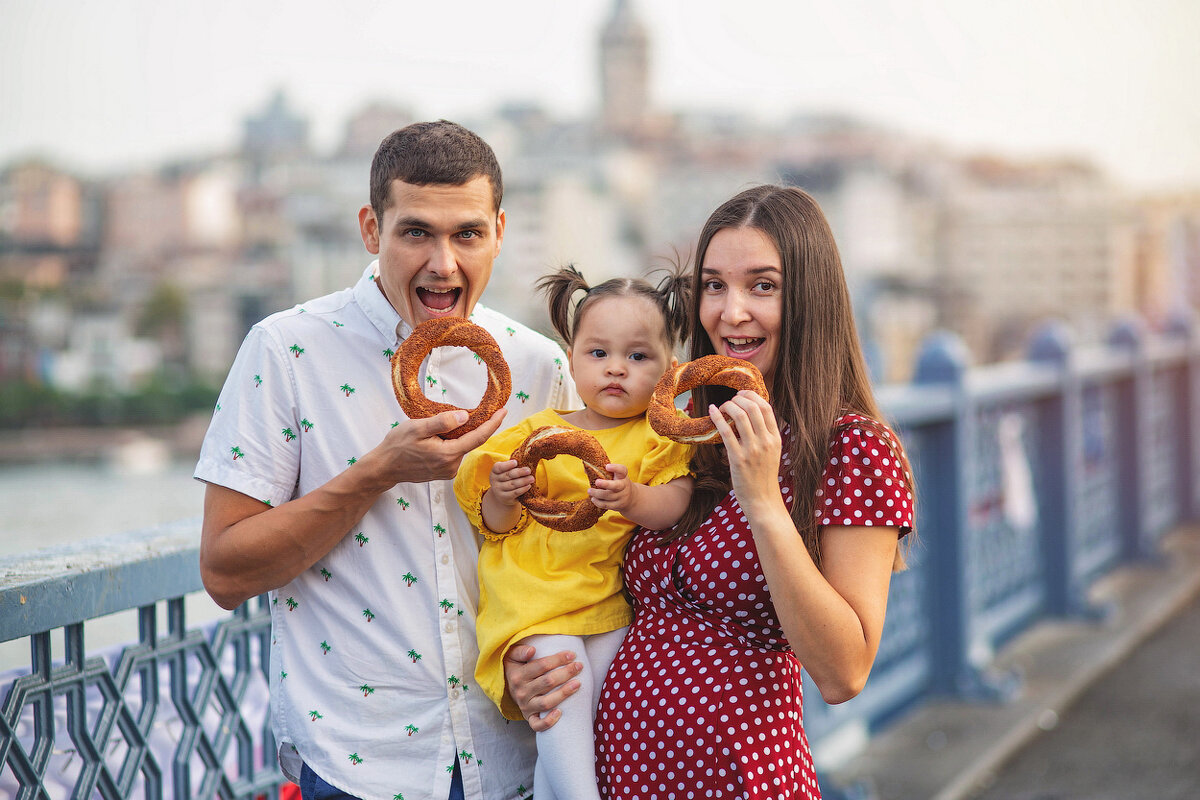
(436, 245)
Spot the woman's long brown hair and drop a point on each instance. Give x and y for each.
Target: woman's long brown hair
(820, 372)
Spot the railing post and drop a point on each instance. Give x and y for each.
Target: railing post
(1060, 452)
(1183, 326)
(1132, 436)
(943, 359)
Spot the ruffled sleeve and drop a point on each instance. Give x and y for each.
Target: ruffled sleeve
(664, 460)
(472, 479)
(865, 482)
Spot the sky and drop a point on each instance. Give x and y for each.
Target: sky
(102, 87)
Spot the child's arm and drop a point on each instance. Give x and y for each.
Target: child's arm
(499, 507)
(653, 507)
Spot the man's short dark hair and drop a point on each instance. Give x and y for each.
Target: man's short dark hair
(427, 153)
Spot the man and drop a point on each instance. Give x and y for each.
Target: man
(321, 492)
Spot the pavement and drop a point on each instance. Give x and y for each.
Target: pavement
(1107, 709)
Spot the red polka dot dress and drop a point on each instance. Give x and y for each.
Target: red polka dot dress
(704, 698)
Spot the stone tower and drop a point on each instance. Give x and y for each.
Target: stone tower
(624, 71)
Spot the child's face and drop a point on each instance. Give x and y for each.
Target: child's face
(619, 353)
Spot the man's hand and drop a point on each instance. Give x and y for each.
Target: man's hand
(414, 450)
(538, 685)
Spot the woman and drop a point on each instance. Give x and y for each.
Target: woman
(786, 553)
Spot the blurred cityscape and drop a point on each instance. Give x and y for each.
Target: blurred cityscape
(110, 286)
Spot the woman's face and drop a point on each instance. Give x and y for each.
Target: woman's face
(741, 297)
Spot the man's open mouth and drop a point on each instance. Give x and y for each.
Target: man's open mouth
(438, 299)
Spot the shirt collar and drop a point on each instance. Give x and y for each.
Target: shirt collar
(383, 315)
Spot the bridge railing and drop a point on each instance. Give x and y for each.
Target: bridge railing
(180, 713)
(1033, 480)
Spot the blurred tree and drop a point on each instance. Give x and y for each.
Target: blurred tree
(164, 318)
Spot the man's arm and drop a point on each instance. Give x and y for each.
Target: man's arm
(248, 547)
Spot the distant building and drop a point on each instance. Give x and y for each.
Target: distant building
(41, 205)
(275, 135)
(624, 71)
(102, 354)
(1160, 270)
(48, 222)
(1023, 243)
(369, 126)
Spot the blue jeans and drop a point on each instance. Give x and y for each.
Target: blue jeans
(313, 787)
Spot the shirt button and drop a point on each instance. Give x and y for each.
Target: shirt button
(449, 627)
(445, 559)
(437, 496)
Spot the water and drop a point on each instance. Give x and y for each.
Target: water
(44, 505)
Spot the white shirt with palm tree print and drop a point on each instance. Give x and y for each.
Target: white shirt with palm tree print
(373, 648)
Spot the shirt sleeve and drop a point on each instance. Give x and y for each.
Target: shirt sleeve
(864, 481)
(665, 460)
(252, 445)
(472, 479)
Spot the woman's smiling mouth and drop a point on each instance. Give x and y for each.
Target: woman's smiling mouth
(742, 346)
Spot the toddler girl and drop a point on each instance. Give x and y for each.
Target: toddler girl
(559, 590)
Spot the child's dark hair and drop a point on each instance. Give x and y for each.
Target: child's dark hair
(671, 296)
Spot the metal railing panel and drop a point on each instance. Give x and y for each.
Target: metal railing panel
(181, 714)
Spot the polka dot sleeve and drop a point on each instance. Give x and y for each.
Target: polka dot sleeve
(864, 481)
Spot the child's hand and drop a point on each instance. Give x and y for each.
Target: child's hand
(615, 493)
(508, 482)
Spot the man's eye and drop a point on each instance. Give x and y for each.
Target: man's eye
(414, 233)
(468, 234)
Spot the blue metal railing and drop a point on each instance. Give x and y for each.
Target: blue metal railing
(176, 715)
(1034, 479)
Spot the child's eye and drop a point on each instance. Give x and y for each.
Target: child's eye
(638, 356)
(597, 353)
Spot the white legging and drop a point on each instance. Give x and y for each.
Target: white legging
(566, 761)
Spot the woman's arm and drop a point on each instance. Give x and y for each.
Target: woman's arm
(833, 619)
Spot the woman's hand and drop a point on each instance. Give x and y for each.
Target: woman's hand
(753, 445)
(538, 685)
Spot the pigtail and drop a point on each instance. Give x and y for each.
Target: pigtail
(674, 297)
(559, 287)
